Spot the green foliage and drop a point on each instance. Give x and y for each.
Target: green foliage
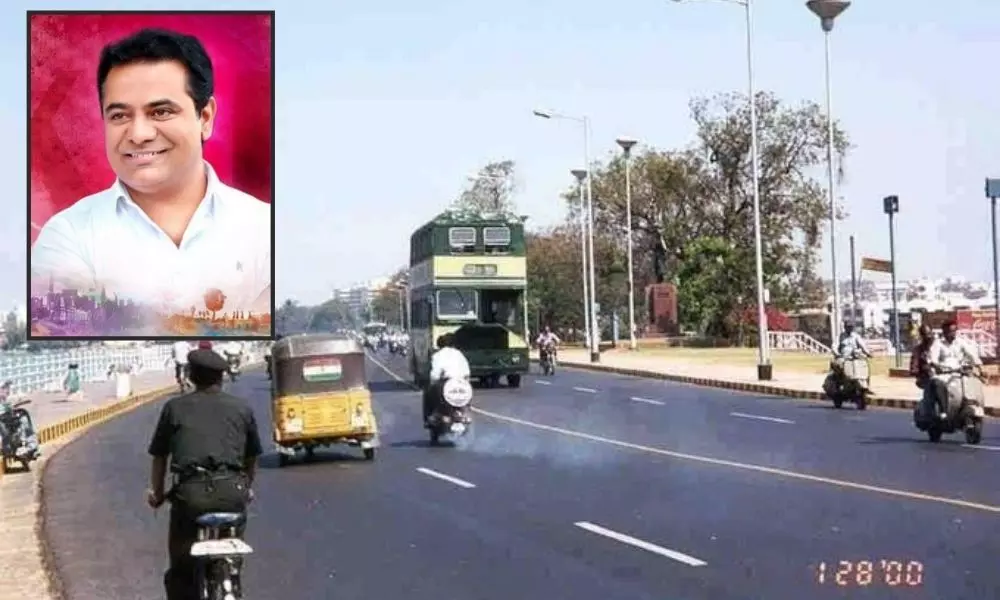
(491, 191)
(15, 332)
(696, 204)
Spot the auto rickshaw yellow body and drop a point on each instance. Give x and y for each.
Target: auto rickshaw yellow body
(320, 395)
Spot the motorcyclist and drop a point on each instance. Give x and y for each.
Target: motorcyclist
(233, 354)
(447, 362)
(23, 428)
(548, 342)
(948, 354)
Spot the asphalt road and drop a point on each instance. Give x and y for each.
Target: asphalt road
(582, 486)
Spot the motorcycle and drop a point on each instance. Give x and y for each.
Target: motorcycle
(18, 440)
(965, 408)
(850, 383)
(453, 410)
(547, 360)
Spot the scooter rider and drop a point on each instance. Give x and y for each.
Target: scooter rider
(947, 355)
(849, 347)
(447, 362)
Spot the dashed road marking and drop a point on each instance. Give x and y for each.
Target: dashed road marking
(981, 447)
(708, 460)
(455, 480)
(761, 418)
(643, 544)
(543, 382)
(587, 390)
(646, 400)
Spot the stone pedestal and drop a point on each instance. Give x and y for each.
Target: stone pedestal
(661, 318)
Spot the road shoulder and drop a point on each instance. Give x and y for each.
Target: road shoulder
(25, 564)
(888, 393)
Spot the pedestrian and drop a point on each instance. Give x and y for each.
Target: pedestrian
(72, 384)
(212, 442)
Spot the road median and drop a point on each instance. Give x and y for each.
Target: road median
(715, 368)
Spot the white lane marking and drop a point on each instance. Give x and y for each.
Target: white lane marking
(543, 382)
(760, 418)
(646, 400)
(979, 447)
(459, 482)
(647, 546)
(588, 390)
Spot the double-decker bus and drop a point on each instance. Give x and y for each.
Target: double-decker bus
(469, 277)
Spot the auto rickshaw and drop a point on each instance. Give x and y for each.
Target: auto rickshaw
(320, 395)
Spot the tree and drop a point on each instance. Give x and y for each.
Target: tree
(15, 332)
(330, 316)
(491, 190)
(555, 288)
(387, 300)
(682, 198)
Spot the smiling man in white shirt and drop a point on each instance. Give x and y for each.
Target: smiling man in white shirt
(168, 230)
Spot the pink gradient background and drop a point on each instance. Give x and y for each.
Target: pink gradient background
(67, 157)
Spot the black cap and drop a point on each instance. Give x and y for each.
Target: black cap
(208, 359)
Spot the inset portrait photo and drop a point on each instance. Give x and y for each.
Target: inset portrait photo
(151, 174)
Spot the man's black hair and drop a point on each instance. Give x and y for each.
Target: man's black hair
(949, 324)
(158, 45)
(203, 378)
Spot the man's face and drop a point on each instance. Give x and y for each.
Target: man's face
(949, 334)
(152, 132)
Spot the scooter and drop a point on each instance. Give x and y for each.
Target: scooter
(965, 410)
(18, 440)
(852, 383)
(453, 412)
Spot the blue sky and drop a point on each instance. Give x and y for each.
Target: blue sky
(385, 106)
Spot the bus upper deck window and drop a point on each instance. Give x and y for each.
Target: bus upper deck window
(496, 239)
(462, 239)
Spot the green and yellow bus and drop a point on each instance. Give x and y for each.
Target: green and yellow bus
(469, 276)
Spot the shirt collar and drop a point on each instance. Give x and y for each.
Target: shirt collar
(123, 200)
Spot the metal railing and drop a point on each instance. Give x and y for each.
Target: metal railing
(46, 370)
(796, 341)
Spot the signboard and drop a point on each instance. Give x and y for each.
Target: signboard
(479, 270)
(322, 369)
(876, 264)
(983, 320)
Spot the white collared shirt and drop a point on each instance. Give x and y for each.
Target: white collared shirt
(105, 241)
(449, 363)
(954, 355)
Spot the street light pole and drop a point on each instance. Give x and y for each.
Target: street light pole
(993, 192)
(764, 367)
(890, 205)
(626, 145)
(828, 11)
(594, 335)
(580, 174)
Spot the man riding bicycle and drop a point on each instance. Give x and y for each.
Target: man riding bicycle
(179, 353)
(212, 442)
(548, 344)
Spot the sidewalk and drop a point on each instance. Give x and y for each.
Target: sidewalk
(890, 392)
(23, 566)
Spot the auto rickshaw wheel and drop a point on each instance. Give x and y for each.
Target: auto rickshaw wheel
(282, 459)
(369, 453)
(310, 452)
(934, 434)
(435, 436)
(974, 434)
(514, 380)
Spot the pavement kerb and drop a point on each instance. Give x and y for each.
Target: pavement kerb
(748, 388)
(55, 438)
